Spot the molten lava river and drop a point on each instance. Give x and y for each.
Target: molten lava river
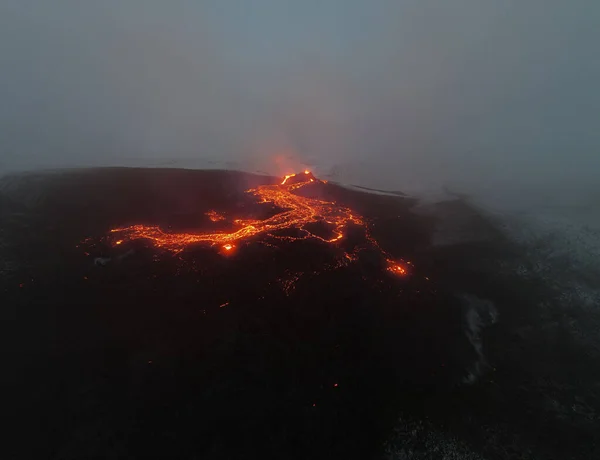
(297, 212)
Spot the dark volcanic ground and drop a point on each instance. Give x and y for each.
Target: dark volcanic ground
(277, 352)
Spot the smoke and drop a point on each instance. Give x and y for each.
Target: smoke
(480, 95)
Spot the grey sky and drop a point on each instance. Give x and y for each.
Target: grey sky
(498, 90)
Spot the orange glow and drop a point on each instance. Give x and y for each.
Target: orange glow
(396, 268)
(214, 216)
(296, 212)
(286, 177)
(306, 171)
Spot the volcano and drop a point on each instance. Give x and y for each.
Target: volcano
(218, 314)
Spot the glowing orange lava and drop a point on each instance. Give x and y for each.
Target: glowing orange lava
(396, 268)
(297, 212)
(228, 247)
(214, 216)
(285, 178)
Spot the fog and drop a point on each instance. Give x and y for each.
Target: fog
(482, 96)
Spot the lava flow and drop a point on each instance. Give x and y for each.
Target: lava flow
(297, 213)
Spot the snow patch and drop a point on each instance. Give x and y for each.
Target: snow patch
(480, 314)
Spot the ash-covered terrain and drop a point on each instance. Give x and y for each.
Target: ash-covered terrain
(218, 314)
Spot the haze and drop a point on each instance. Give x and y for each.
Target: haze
(403, 94)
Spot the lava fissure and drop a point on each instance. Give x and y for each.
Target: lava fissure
(297, 212)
